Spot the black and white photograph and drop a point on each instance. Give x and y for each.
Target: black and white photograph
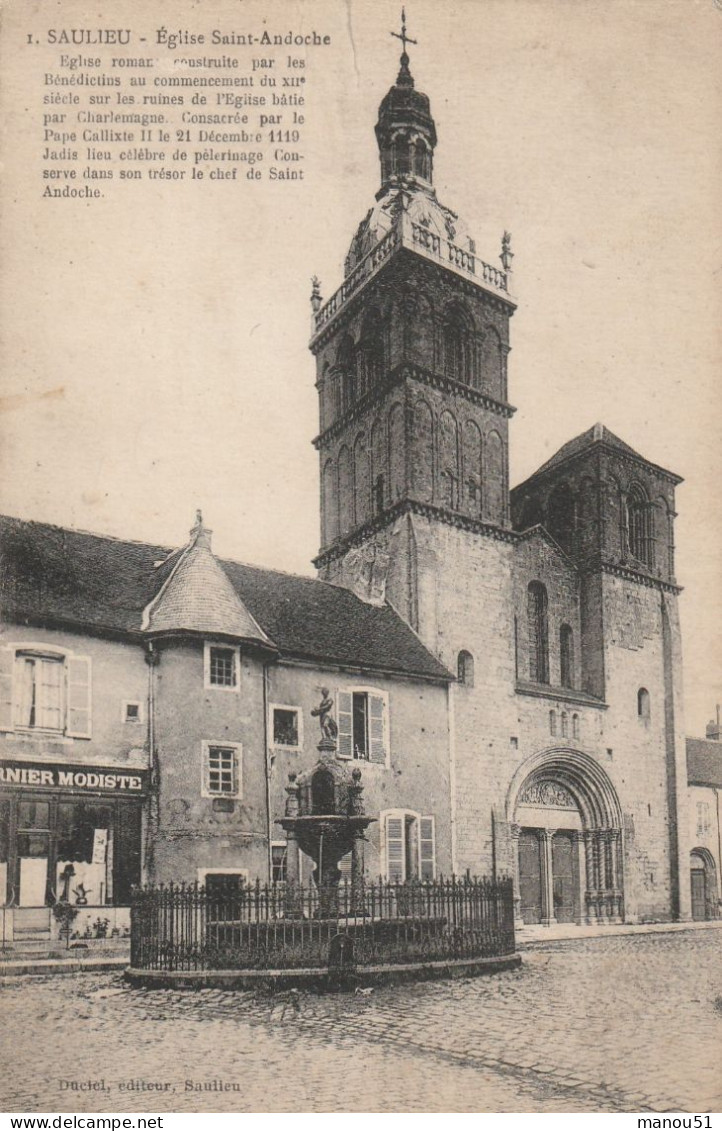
(360, 557)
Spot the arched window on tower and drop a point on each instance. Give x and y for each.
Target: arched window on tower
(638, 524)
(449, 490)
(420, 159)
(465, 668)
(538, 632)
(346, 368)
(401, 154)
(643, 704)
(378, 494)
(565, 724)
(371, 352)
(562, 518)
(566, 655)
(457, 347)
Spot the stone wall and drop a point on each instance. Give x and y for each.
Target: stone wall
(198, 832)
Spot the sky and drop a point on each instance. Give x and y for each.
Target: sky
(154, 343)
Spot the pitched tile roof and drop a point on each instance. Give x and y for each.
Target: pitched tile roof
(597, 434)
(310, 618)
(76, 578)
(95, 582)
(704, 762)
(594, 435)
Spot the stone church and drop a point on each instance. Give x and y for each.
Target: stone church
(504, 665)
(555, 603)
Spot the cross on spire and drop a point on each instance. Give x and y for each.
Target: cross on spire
(403, 36)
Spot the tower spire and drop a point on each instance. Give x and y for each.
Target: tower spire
(405, 129)
(404, 76)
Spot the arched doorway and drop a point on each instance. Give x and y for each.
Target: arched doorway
(703, 881)
(566, 824)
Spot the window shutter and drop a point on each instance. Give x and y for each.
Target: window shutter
(344, 720)
(377, 728)
(427, 848)
(7, 662)
(238, 772)
(395, 849)
(49, 692)
(78, 697)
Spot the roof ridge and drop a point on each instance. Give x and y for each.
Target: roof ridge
(89, 533)
(171, 550)
(272, 569)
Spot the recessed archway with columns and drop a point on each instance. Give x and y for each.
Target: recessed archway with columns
(566, 827)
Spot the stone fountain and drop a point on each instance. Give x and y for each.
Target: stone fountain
(325, 817)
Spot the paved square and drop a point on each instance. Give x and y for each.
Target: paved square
(623, 1023)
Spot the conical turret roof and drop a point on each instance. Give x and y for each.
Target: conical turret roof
(198, 597)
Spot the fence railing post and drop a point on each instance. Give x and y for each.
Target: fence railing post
(259, 925)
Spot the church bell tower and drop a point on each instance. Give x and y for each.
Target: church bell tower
(411, 354)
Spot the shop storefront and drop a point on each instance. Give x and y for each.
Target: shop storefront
(69, 833)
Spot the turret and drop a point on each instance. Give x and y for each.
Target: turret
(405, 130)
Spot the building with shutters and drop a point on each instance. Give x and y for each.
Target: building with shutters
(505, 664)
(704, 772)
(555, 603)
(153, 703)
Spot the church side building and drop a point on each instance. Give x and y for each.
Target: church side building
(555, 604)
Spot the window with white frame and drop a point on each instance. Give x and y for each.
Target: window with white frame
(132, 711)
(362, 719)
(286, 726)
(408, 848)
(279, 862)
(221, 769)
(221, 666)
(44, 689)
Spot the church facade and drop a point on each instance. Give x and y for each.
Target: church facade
(555, 603)
(503, 665)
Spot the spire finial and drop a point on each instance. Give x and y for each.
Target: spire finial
(404, 73)
(200, 534)
(403, 36)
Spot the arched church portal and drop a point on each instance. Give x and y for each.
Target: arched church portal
(566, 824)
(703, 880)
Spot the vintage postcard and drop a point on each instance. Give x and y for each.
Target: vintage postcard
(360, 550)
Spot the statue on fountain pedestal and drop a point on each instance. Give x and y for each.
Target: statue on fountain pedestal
(329, 729)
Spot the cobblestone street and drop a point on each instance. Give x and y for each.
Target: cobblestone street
(615, 1024)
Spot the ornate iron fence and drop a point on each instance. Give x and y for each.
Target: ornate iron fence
(283, 927)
